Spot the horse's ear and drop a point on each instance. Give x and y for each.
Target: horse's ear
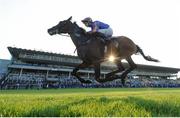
(69, 18)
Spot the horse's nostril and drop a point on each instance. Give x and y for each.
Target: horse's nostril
(50, 32)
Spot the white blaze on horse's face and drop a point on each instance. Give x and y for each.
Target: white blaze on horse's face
(111, 58)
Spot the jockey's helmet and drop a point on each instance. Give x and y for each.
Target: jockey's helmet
(88, 19)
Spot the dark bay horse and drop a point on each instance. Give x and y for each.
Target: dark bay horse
(91, 50)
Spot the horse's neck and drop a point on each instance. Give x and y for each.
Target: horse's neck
(76, 35)
(79, 38)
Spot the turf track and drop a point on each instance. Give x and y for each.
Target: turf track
(91, 102)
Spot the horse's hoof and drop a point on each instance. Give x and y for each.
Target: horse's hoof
(99, 80)
(88, 81)
(108, 75)
(73, 74)
(77, 74)
(123, 76)
(123, 82)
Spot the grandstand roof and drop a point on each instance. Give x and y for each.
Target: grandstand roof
(16, 51)
(18, 54)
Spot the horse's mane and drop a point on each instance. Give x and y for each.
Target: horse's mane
(82, 31)
(93, 36)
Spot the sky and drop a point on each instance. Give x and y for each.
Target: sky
(154, 25)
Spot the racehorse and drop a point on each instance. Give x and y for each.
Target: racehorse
(91, 50)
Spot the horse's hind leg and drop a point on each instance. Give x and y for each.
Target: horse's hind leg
(120, 69)
(74, 73)
(132, 67)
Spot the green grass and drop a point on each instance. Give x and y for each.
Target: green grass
(91, 102)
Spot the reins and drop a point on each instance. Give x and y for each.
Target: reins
(64, 35)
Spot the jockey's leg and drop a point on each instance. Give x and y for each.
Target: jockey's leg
(106, 35)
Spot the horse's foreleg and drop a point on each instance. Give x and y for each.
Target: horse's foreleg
(98, 73)
(120, 69)
(132, 67)
(74, 73)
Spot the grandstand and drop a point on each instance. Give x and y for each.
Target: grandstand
(38, 69)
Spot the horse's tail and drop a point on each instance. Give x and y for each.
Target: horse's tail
(148, 58)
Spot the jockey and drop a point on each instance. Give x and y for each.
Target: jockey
(98, 26)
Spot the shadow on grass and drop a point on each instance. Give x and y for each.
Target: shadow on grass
(160, 109)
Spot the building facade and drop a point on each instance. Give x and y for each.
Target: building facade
(37, 69)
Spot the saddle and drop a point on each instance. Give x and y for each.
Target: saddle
(100, 36)
(104, 39)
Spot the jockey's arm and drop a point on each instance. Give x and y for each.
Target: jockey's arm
(95, 27)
